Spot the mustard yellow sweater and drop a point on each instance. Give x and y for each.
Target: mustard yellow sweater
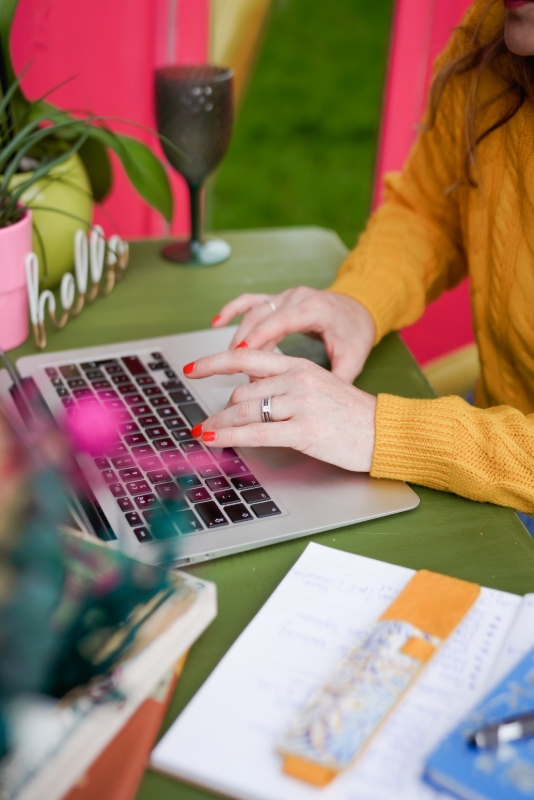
(427, 237)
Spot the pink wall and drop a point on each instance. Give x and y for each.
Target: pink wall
(110, 49)
(420, 31)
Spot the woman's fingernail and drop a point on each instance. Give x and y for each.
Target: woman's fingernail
(196, 431)
(209, 436)
(241, 344)
(188, 369)
(215, 319)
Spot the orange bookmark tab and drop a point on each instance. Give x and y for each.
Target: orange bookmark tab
(338, 720)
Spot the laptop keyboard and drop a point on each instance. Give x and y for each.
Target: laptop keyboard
(155, 458)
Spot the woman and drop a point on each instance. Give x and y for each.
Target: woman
(464, 204)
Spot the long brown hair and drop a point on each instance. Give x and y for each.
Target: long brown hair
(482, 54)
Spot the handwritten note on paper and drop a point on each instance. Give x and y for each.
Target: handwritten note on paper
(225, 739)
(519, 641)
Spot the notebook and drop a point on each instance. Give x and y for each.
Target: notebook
(506, 772)
(226, 738)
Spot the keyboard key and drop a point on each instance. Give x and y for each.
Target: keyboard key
(234, 467)
(134, 365)
(200, 460)
(145, 501)
(255, 495)
(127, 388)
(62, 392)
(102, 463)
(88, 401)
(142, 451)
(148, 421)
(268, 509)
(134, 399)
(175, 424)
(227, 496)
(131, 474)
(120, 380)
(177, 469)
(132, 439)
(173, 457)
(189, 481)
(70, 371)
(223, 454)
(117, 489)
(139, 411)
(128, 427)
(155, 513)
(109, 476)
(115, 405)
(169, 385)
(142, 535)
(183, 435)
(170, 373)
(238, 513)
(188, 522)
(122, 462)
(156, 365)
(89, 365)
(76, 383)
(108, 394)
(158, 476)
(181, 396)
(152, 462)
(192, 447)
(134, 519)
(146, 381)
(209, 471)
(117, 450)
(217, 483)
(170, 491)
(164, 528)
(163, 444)
(51, 372)
(138, 487)
(57, 382)
(159, 402)
(198, 495)
(101, 385)
(114, 369)
(125, 504)
(123, 416)
(193, 414)
(156, 433)
(245, 482)
(94, 375)
(152, 391)
(211, 515)
(157, 356)
(68, 402)
(166, 412)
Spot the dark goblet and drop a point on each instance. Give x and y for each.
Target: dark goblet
(194, 111)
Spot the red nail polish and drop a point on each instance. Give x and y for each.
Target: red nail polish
(188, 369)
(241, 344)
(209, 436)
(196, 431)
(215, 319)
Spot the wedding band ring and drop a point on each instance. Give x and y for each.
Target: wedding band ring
(273, 307)
(266, 409)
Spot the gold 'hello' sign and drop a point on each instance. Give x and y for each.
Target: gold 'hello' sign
(98, 265)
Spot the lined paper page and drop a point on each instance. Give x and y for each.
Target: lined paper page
(519, 641)
(225, 739)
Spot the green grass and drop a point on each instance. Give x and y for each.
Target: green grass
(304, 143)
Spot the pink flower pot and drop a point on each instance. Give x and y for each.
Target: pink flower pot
(15, 244)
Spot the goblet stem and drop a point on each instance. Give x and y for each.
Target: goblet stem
(195, 190)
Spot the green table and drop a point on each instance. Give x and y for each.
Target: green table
(478, 542)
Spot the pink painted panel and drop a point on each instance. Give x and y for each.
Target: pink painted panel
(110, 49)
(420, 30)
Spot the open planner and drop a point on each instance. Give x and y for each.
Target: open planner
(226, 738)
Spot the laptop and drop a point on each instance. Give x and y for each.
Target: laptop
(228, 500)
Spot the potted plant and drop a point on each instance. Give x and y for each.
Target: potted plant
(53, 183)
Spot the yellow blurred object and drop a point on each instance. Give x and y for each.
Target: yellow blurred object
(455, 373)
(236, 34)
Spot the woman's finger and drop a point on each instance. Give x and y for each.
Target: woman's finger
(254, 363)
(234, 308)
(249, 412)
(251, 319)
(275, 434)
(260, 388)
(278, 324)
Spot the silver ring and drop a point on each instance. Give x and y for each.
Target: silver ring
(273, 307)
(266, 409)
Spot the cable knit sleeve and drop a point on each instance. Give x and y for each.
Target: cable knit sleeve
(481, 454)
(412, 247)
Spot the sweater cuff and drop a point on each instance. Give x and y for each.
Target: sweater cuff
(414, 441)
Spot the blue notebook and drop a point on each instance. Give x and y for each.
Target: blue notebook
(505, 773)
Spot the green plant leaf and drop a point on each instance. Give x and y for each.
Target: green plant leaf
(7, 14)
(96, 162)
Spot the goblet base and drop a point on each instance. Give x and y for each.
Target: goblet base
(207, 254)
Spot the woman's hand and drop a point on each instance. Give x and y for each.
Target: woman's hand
(346, 327)
(312, 410)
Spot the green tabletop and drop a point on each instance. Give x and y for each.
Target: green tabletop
(479, 542)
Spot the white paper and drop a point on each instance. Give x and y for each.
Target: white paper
(225, 739)
(519, 641)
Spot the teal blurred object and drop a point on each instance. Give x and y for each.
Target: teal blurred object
(304, 143)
